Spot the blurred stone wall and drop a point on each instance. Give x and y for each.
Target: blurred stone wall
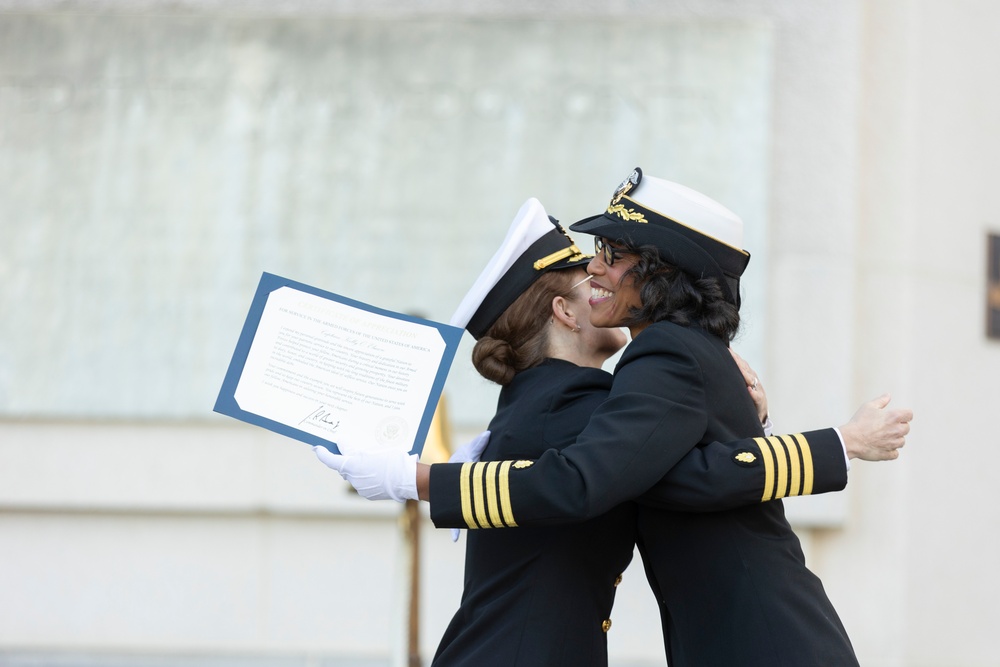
(153, 164)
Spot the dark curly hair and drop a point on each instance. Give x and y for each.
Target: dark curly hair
(668, 293)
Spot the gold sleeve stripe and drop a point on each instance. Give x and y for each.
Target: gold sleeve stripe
(466, 492)
(478, 503)
(505, 507)
(795, 467)
(781, 458)
(807, 464)
(492, 501)
(765, 455)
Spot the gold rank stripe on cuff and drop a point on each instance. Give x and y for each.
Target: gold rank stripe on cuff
(788, 466)
(485, 494)
(807, 468)
(465, 489)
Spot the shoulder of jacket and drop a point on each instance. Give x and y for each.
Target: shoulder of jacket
(553, 379)
(581, 378)
(658, 337)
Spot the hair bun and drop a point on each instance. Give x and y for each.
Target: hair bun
(494, 359)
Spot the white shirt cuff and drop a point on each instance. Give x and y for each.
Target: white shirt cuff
(847, 461)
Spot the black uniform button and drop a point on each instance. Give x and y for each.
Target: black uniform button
(606, 625)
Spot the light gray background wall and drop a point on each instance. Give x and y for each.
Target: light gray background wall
(132, 526)
(156, 164)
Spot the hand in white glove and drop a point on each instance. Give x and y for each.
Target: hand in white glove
(378, 475)
(472, 450)
(469, 453)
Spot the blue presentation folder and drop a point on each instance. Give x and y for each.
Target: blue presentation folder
(226, 403)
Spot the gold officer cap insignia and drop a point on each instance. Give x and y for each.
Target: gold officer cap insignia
(523, 464)
(745, 457)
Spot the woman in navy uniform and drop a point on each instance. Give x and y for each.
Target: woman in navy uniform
(539, 596)
(543, 596)
(732, 585)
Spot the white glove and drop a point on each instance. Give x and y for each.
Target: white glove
(472, 450)
(469, 453)
(376, 476)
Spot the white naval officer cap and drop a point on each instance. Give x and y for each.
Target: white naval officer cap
(689, 229)
(535, 244)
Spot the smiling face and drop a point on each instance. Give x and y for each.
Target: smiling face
(594, 341)
(613, 292)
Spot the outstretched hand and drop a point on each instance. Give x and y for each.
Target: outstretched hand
(376, 475)
(876, 433)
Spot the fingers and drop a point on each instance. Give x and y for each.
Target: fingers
(881, 401)
(754, 386)
(893, 438)
(471, 450)
(331, 460)
(749, 376)
(744, 367)
(479, 444)
(900, 420)
(882, 454)
(891, 434)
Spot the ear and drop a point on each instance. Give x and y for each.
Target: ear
(563, 312)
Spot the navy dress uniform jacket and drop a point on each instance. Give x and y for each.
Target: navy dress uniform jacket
(732, 585)
(541, 596)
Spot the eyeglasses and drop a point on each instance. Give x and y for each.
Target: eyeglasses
(608, 253)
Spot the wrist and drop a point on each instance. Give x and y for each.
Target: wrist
(423, 481)
(849, 439)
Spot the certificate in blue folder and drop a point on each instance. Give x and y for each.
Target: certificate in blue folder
(328, 370)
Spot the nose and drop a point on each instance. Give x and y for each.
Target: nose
(596, 265)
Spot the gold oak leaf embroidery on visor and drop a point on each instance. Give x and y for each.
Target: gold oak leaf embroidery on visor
(627, 214)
